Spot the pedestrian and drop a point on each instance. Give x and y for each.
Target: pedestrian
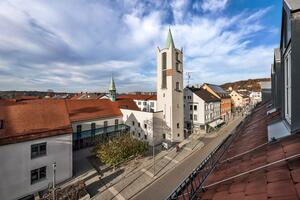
(177, 147)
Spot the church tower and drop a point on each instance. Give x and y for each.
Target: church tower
(170, 89)
(112, 90)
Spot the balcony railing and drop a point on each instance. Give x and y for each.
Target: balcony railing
(192, 184)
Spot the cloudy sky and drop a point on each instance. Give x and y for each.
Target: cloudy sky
(76, 45)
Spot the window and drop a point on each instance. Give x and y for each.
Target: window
(139, 124)
(184, 97)
(287, 83)
(145, 137)
(195, 117)
(139, 103)
(133, 133)
(178, 135)
(132, 123)
(105, 123)
(177, 86)
(211, 106)
(1, 124)
(191, 107)
(139, 134)
(151, 104)
(93, 127)
(78, 128)
(189, 97)
(191, 117)
(116, 121)
(177, 56)
(164, 95)
(177, 125)
(164, 136)
(145, 103)
(38, 150)
(164, 60)
(195, 107)
(145, 125)
(206, 107)
(38, 174)
(177, 67)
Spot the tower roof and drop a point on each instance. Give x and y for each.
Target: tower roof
(169, 42)
(112, 85)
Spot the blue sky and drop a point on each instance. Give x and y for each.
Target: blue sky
(76, 45)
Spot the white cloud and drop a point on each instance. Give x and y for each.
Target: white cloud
(211, 5)
(54, 46)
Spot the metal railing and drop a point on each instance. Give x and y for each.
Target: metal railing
(191, 185)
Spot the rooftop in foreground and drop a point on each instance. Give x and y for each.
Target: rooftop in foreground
(254, 169)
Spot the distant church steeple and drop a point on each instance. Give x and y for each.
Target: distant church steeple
(112, 90)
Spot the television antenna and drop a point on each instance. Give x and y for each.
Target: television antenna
(188, 74)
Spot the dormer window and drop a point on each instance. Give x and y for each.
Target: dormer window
(1, 124)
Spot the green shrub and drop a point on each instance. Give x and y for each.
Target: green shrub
(120, 149)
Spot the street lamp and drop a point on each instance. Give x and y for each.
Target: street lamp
(54, 174)
(153, 147)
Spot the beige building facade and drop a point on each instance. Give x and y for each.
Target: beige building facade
(170, 89)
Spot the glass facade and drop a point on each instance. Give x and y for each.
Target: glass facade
(94, 136)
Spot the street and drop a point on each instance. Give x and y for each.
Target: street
(163, 186)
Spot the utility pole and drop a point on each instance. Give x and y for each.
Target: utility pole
(53, 185)
(188, 78)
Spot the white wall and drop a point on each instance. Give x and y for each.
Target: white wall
(169, 100)
(212, 112)
(151, 119)
(16, 165)
(148, 106)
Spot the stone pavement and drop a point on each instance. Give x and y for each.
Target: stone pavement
(136, 175)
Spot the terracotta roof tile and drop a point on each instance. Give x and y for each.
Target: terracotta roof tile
(279, 180)
(144, 97)
(81, 110)
(281, 189)
(33, 119)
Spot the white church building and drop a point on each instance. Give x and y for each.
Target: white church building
(167, 122)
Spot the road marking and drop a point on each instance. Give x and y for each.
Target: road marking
(173, 160)
(148, 173)
(188, 148)
(116, 193)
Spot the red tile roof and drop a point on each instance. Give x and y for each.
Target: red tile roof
(144, 97)
(252, 168)
(81, 110)
(32, 120)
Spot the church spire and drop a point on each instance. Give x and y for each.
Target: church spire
(112, 89)
(170, 42)
(112, 86)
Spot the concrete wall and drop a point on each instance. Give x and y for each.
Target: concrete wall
(169, 100)
(136, 120)
(16, 166)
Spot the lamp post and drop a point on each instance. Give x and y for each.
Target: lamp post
(53, 185)
(153, 147)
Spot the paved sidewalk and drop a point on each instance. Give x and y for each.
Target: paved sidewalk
(135, 175)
